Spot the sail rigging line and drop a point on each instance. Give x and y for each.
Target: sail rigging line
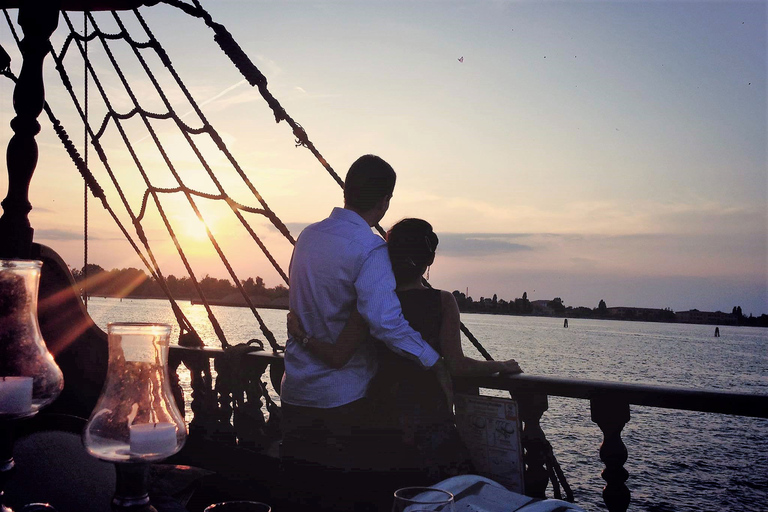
(209, 129)
(85, 155)
(162, 54)
(221, 197)
(211, 317)
(225, 41)
(152, 115)
(267, 333)
(206, 128)
(185, 325)
(154, 268)
(255, 77)
(222, 256)
(137, 225)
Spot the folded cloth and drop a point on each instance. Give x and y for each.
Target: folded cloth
(479, 494)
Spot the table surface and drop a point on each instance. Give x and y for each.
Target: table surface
(52, 466)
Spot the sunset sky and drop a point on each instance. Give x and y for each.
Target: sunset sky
(608, 150)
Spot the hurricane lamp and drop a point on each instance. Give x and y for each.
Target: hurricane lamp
(29, 377)
(136, 421)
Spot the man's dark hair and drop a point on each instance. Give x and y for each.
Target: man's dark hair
(369, 180)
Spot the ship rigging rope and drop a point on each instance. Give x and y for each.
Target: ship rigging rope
(102, 155)
(256, 78)
(143, 114)
(85, 154)
(243, 63)
(184, 325)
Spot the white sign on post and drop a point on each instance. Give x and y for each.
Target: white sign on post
(490, 427)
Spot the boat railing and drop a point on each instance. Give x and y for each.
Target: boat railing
(609, 405)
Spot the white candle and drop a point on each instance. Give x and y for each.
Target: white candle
(153, 438)
(15, 395)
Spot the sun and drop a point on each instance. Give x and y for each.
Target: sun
(193, 229)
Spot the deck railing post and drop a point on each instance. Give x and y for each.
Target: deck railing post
(204, 406)
(38, 20)
(532, 408)
(611, 414)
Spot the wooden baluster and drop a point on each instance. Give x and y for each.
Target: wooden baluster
(174, 361)
(204, 405)
(276, 371)
(611, 415)
(532, 407)
(38, 20)
(224, 392)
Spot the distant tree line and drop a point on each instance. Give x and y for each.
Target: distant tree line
(556, 307)
(133, 282)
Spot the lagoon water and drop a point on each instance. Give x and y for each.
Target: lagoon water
(678, 460)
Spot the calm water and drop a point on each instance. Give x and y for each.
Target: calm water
(678, 461)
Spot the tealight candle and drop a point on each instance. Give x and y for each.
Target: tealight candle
(15, 395)
(153, 438)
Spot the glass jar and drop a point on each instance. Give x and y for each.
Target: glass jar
(29, 377)
(136, 418)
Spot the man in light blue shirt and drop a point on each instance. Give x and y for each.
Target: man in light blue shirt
(340, 265)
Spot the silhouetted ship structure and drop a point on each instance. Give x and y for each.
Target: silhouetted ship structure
(229, 432)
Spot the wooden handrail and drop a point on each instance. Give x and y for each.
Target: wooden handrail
(610, 410)
(668, 397)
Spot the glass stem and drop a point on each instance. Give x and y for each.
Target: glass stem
(132, 488)
(6, 459)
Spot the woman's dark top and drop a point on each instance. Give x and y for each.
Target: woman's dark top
(409, 399)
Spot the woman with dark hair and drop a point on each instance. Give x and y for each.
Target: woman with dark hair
(406, 398)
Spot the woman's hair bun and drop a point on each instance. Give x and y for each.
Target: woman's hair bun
(412, 244)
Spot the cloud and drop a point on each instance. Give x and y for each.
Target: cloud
(296, 227)
(223, 102)
(298, 91)
(238, 98)
(66, 235)
(462, 244)
(648, 254)
(57, 234)
(480, 244)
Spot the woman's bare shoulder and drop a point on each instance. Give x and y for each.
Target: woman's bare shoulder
(448, 300)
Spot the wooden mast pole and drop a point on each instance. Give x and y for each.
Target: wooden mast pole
(38, 20)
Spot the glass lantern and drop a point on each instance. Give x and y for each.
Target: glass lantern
(136, 418)
(29, 377)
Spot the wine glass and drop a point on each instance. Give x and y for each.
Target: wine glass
(239, 506)
(421, 499)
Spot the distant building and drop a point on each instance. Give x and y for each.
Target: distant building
(540, 307)
(642, 314)
(695, 316)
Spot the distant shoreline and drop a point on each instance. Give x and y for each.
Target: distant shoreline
(619, 317)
